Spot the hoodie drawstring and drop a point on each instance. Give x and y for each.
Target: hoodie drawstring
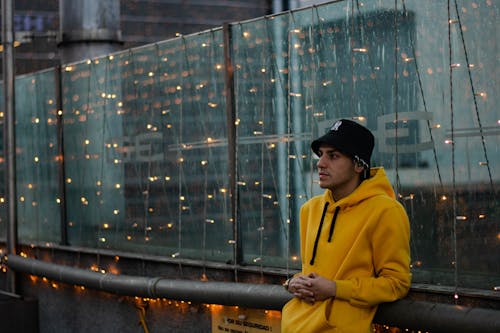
(317, 234)
(332, 225)
(334, 219)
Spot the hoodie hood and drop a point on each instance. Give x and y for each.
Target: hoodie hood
(377, 184)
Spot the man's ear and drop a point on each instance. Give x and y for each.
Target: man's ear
(358, 167)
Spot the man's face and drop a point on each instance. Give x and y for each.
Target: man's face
(336, 170)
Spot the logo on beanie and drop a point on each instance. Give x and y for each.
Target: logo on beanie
(336, 126)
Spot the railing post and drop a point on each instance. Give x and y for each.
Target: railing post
(60, 153)
(231, 139)
(9, 138)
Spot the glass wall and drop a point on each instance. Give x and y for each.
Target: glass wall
(147, 145)
(146, 162)
(37, 160)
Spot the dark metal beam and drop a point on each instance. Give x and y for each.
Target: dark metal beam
(210, 292)
(231, 143)
(438, 317)
(9, 138)
(61, 160)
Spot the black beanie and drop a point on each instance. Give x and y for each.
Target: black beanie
(350, 138)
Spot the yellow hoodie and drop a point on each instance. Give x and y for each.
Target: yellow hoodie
(368, 256)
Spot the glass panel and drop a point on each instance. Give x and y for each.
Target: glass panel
(428, 98)
(450, 194)
(148, 150)
(270, 140)
(94, 174)
(37, 159)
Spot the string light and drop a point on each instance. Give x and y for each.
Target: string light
(360, 50)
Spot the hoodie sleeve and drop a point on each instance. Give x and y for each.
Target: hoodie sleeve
(390, 243)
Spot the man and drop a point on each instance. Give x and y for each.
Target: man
(354, 240)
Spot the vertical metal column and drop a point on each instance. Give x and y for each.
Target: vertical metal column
(231, 143)
(60, 153)
(88, 29)
(9, 138)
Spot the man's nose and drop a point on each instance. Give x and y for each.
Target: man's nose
(320, 162)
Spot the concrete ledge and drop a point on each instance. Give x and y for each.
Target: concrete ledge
(18, 315)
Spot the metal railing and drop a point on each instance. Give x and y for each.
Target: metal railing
(419, 315)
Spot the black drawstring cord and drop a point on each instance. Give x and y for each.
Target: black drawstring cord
(334, 219)
(317, 235)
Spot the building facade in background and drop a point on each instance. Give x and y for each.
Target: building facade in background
(36, 24)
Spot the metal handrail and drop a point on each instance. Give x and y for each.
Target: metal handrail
(435, 317)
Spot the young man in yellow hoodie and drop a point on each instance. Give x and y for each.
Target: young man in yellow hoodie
(354, 240)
